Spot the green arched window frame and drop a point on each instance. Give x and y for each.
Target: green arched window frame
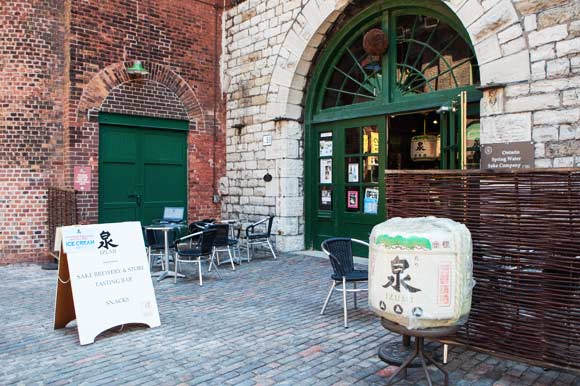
(389, 100)
(382, 13)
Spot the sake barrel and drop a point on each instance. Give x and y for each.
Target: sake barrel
(421, 272)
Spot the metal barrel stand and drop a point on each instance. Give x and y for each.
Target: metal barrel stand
(419, 350)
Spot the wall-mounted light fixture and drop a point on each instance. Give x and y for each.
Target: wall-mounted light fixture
(137, 69)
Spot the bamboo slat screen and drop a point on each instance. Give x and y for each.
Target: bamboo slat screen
(62, 210)
(525, 228)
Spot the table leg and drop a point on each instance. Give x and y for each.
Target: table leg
(167, 273)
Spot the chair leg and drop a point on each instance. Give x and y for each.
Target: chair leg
(344, 302)
(175, 264)
(231, 259)
(211, 262)
(239, 253)
(328, 297)
(248, 249)
(271, 249)
(213, 252)
(354, 286)
(217, 270)
(199, 270)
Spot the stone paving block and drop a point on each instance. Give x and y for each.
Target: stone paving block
(252, 328)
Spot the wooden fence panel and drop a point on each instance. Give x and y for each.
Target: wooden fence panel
(525, 228)
(62, 210)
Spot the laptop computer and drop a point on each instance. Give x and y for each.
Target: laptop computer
(172, 214)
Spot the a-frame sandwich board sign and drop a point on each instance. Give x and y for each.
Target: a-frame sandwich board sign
(104, 279)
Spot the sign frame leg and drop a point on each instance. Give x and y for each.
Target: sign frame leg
(64, 309)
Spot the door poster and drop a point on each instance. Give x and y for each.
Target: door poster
(325, 199)
(325, 146)
(326, 171)
(371, 201)
(352, 199)
(353, 172)
(374, 144)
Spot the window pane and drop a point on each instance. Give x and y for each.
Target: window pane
(325, 144)
(352, 169)
(326, 170)
(356, 78)
(432, 56)
(352, 140)
(352, 199)
(473, 144)
(370, 139)
(371, 200)
(325, 201)
(371, 169)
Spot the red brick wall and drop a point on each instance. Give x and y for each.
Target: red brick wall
(53, 119)
(31, 109)
(143, 97)
(179, 35)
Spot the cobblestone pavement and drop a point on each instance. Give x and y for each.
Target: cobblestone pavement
(260, 325)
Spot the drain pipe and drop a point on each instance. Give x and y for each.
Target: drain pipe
(216, 197)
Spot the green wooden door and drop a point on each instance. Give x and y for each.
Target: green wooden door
(348, 195)
(141, 170)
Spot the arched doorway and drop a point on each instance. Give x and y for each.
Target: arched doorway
(413, 105)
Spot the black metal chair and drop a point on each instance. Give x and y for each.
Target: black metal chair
(339, 250)
(199, 225)
(191, 248)
(254, 237)
(155, 244)
(223, 242)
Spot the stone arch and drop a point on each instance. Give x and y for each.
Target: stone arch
(288, 82)
(114, 76)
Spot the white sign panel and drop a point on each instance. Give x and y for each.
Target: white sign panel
(110, 277)
(414, 285)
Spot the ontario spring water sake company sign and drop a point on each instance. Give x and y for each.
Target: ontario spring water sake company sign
(104, 279)
(517, 155)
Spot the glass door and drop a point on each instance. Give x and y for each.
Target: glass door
(460, 134)
(349, 179)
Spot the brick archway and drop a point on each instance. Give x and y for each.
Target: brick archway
(101, 94)
(109, 78)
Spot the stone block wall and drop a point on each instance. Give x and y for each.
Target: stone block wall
(529, 56)
(544, 105)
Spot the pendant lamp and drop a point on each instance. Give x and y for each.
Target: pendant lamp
(137, 69)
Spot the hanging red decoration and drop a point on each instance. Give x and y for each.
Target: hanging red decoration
(375, 42)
